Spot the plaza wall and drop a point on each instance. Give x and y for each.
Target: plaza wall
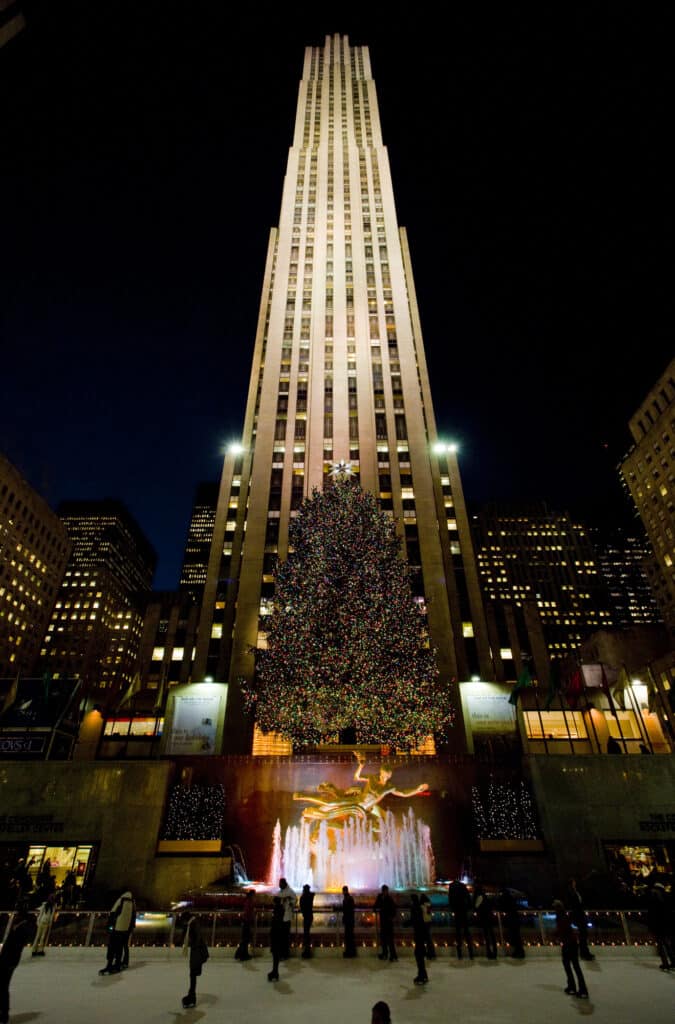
(585, 802)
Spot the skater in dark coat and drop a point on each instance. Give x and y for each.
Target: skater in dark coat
(459, 902)
(348, 920)
(577, 912)
(660, 922)
(20, 934)
(385, 906)
(569, 948)
(509, 908)
(484, 911)
(427, 913)
(277, 937)
(247, 923)
(195, 948)
(420, 937)
(307, 911)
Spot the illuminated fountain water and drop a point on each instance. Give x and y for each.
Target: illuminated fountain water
(363, 854)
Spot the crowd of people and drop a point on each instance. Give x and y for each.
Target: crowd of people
(469, 909)
(25, 884)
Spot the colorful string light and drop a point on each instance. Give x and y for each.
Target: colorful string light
(347, 646)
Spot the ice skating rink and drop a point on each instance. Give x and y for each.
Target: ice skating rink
(64, 987)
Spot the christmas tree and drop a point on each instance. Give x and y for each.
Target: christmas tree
(347, 646)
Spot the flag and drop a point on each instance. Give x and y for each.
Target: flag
(159, 702)
(10, 696)
(619, 688)
(554, 684)
(134, 686)
(575, 687)
(604, 682)
(524, 681)
(652, 692)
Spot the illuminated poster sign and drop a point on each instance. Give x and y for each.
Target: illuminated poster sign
(194, 719)
(486, 708)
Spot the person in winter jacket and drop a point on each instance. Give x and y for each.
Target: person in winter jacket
(660, 920)
(569, 948)
(277, 937)
(20, 934)
(120, 925)
(459, 903)
(484, 911)
(420, 936)
(45, 916)
(197, 952)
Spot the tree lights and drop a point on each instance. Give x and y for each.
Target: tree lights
(347, 647)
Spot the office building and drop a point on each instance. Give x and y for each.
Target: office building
(34, 548)
(339, 375)
(96, 625)
(531, 555)
(623, 556)
(198, 543)
(647, 472)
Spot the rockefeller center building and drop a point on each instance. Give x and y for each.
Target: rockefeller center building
(339, 375)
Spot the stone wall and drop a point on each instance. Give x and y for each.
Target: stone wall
(587, 801)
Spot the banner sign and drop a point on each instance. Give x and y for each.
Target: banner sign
(194, 719)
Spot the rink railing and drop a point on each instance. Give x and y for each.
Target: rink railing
(222, 928)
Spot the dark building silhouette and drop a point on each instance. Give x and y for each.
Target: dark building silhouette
(198, 543)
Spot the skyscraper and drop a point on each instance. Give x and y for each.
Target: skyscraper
(647, 472)
(339, 375)
(199, 537)
(34, 549)
(529, 554)
(96, 625)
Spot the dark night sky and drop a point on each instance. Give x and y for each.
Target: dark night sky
(143, 149)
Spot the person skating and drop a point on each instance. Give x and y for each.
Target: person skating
(484, 911)
(660, 922)
(120, 924)
(577, 912)
(348, 921)
(307, 911)
(459, 902)
(427, 914)
(45, 916)
(420, 939)
(277, 937)
(10, 955)
(247, 923)
(509, 908)
(569, 949)
(197, 952)
(386, 907)
(287, 897)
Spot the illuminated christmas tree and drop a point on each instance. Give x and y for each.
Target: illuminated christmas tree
(347, 647)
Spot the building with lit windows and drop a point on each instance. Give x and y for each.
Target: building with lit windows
(95, 627)
(531, 555)
(34, 548)
(198, 544)
(339, 375)
(622, 557)
(648, 474)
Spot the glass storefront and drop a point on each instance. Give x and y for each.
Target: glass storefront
(62, 859)
(636, 864)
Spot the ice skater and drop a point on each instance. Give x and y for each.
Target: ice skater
(420, 937)
(569, 948)
(277, 937)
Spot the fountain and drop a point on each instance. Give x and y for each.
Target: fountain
(346, 838)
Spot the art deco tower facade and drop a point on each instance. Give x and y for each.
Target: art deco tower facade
(339, 375)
